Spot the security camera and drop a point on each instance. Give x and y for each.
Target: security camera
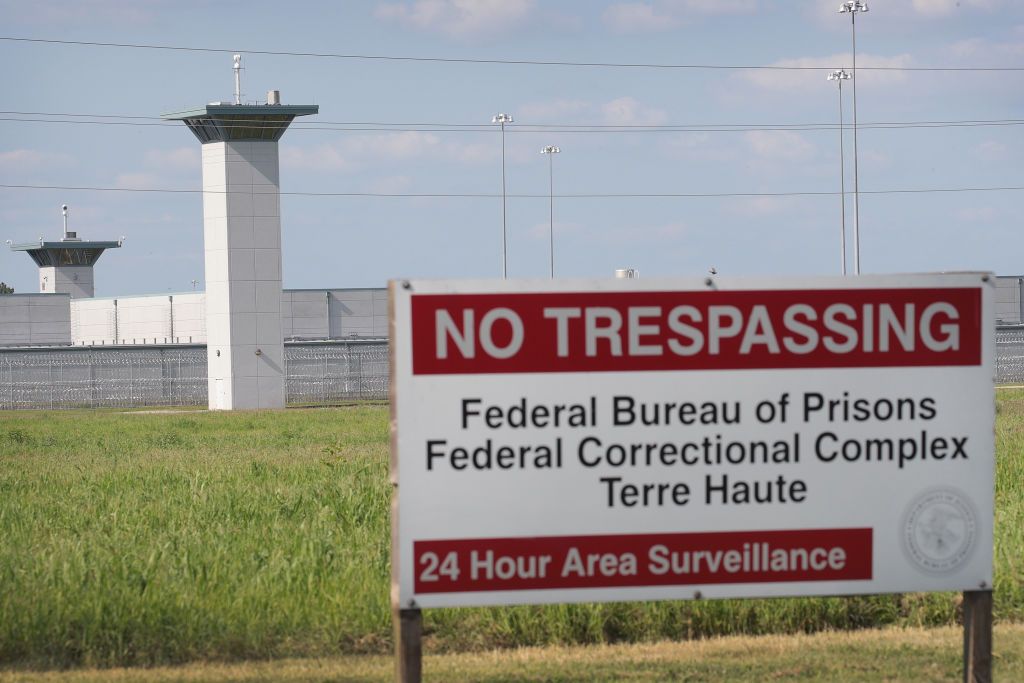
(63, 207)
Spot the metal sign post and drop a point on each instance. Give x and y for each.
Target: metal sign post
(977, 607)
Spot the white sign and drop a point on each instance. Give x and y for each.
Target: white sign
(603, 440)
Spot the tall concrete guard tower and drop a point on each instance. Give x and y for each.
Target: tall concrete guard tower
(66, 266)
(242, 237)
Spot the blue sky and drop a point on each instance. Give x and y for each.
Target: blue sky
(332, 241)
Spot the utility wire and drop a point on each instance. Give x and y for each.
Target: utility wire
(534, 125)
(486, 195)
(516, 62)
(259, 124)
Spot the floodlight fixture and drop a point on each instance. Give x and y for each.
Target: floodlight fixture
(852, 7)
(551, 151)
(840, 75)
(502, 119)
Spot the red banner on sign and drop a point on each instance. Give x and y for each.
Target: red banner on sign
(682, 559)
(715, 330)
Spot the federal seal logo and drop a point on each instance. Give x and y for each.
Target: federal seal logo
(939, 530)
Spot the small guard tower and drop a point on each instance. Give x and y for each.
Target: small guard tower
(242, 238)
(66, 266)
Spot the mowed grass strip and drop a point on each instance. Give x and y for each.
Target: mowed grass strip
(908, 655)
(145, 539)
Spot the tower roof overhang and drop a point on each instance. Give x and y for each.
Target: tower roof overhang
(232, 122)
(65, 253)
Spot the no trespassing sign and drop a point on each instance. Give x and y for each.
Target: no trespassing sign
(604, 440)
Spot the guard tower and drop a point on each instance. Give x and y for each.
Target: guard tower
(242, 238)
(65, 266)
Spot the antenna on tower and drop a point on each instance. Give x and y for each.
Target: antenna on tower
(69, 235)
(238, 79)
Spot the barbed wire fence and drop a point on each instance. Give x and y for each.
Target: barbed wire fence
(1010, 355)
(317, 373)
(333, 372)
(175, 375)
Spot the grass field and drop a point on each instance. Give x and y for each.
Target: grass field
(144, 539)
(906, 655)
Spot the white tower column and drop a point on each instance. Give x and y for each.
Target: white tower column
(74, 280)
(242, 234)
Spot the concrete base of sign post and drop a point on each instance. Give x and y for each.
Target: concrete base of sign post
(977, 636)
(408, 645)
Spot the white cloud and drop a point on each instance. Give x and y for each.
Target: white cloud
(638, 17)
(717, 6)
(667, 231)
(761, 206)
(458, 17)
(937, 8)
(183, 158)
(551, 112)
(77, 13)
(982, 49)
(320, 158)
(909, 11)
(664, 15)
(174, 168)
(18, 159)
(662, 235)
(139, 181)
(541, 231)
(363, 151)
(779, 145)
(990, 150)
(360, 150)
(698, 147)
(808, 72)
(874, 158)
(621, 111)
(474, 153)
(394, 184)
(977, 214)
(404, 145)
(626, 111)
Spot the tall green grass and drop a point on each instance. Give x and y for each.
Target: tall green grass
(157, 538)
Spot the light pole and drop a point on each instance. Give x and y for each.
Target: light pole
(503, 119)
(852, 7)
(551, 151)
(839, 75)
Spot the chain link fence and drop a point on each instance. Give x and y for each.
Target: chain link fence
(329, 372)
(128, 377)
(102, 378)
(1010, 355)
(317, 373)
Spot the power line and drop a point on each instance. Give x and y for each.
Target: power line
(486, 195)
(490, 127)
(257, 124)
(512, 62)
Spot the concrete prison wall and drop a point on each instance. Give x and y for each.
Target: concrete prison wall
(35, 319)
(306, 314)
(155, 319)
(1009, 309)
(334, 313)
